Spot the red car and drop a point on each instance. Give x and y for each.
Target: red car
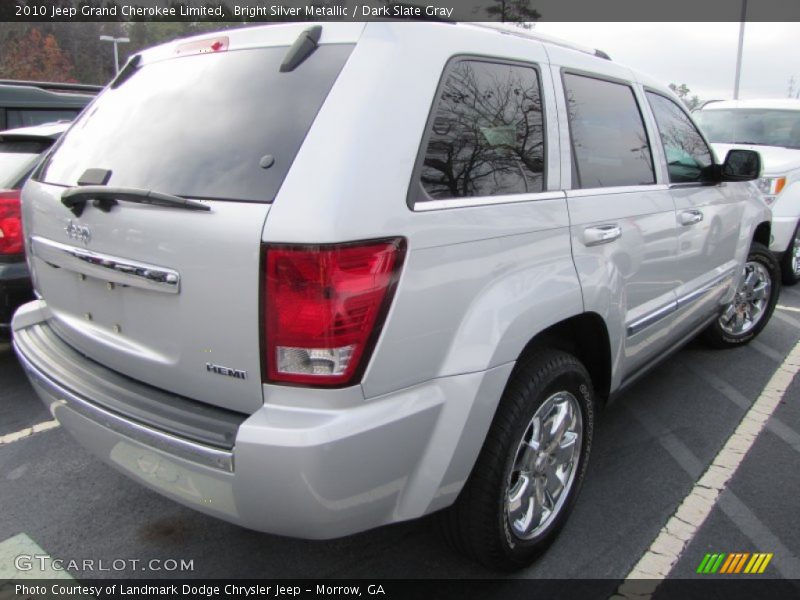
(20, 151)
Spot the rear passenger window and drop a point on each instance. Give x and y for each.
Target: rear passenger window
(688, 156)
(609, 142)
(487, 135)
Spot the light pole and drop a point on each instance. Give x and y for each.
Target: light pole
(117, 41)
(739, 52)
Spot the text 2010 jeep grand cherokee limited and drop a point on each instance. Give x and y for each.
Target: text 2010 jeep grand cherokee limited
(317, 279)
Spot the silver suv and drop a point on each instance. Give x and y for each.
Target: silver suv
(317, 279)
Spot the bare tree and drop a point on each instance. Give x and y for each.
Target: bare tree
(487, 134)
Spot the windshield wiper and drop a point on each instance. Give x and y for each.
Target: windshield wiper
(105, 198)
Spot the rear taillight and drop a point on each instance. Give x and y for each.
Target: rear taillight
(11, 241)
(324, 307)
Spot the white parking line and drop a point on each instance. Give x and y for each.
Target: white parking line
(665, 551)
(27, 432)
(786, 319)
(789, 308)
(19, 559)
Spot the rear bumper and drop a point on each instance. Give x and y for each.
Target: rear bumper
(15, 290)
(304, 472)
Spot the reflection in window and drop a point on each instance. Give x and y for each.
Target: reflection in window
(609, 142)
(487, 137)
(688, 156)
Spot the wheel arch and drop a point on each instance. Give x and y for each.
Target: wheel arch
(586, 337)
(763, 233)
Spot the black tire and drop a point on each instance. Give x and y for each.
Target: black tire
(477, 524)
(789, 274)
(716, 334)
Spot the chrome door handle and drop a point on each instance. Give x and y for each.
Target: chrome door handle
(601, 234)
(690, 217)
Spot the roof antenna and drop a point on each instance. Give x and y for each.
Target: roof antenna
(303, 47)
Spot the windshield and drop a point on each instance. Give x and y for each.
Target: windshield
(764, 127)
(16, 161)
(222, 126)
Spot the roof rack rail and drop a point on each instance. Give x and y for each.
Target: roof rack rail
(55, 86)
(540, 37)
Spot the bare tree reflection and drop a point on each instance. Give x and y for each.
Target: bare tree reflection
(688, 157)
(487, 136)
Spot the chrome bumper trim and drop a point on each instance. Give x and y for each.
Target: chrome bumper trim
(158, 440)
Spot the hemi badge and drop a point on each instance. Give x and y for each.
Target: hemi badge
(219, 370)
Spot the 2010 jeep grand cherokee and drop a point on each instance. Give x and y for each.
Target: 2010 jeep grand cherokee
(316, 279)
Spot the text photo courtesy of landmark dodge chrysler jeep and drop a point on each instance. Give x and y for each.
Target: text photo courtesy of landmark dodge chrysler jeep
(319, 294)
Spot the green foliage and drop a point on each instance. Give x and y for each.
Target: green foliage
(683, 91)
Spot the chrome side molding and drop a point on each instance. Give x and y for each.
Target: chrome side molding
(106, 267)
(653, 317)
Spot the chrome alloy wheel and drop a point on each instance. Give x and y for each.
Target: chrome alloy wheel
(545, 465)
(750, 302)
(795, 250)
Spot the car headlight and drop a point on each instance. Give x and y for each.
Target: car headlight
(771, 187)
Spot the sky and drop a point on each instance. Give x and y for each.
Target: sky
(701, 55)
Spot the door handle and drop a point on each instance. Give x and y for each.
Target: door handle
(601, 234)
(690, 217)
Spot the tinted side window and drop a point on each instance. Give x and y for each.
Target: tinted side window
(688, 156)
(487, 137)
(609, 141)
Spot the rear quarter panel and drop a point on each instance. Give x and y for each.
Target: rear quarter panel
(478, 282)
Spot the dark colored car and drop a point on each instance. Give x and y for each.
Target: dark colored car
(20, 150)
(28, 103)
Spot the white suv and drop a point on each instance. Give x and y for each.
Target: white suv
(772, 127)
(316, 279)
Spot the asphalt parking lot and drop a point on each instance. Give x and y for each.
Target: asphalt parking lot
(652, 445)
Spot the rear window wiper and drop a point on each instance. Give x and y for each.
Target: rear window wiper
(105, 198)
(303, 47)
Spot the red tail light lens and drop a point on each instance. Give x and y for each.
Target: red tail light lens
(11, 241)
(324, 308)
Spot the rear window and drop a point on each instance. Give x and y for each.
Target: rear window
(199, 126)
(17, 158)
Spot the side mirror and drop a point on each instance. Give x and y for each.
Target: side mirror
(741, 165)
